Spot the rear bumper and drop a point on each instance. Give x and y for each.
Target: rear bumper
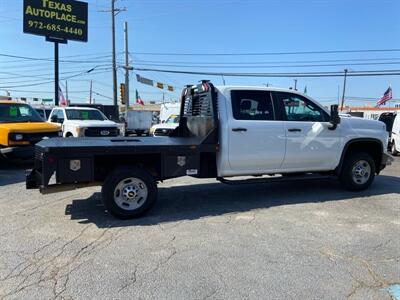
(24, 152)
(387, 160)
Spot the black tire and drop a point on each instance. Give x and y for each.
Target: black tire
(115, 178)
(393, 149)
(69, 135)
(362, 182)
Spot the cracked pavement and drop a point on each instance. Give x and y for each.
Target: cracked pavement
(202, 240)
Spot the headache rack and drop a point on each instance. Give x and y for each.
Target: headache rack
(199, 113)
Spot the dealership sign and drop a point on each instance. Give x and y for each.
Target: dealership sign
(57, 19)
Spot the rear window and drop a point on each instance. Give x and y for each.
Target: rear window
(252, 105)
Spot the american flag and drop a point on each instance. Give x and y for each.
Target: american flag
(138, 99)
(386, 97)
(62, 100)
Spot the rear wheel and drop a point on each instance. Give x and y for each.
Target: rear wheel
(129, 192)
(393, 150)
(358, 171)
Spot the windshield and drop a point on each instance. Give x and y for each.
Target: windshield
(172, 119)
(85, 114)
(16, 112)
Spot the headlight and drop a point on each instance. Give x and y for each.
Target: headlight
(16, 136)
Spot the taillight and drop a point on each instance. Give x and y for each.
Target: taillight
(205, 87)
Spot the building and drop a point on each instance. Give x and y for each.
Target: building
(369, 112)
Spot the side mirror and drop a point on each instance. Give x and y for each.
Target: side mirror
(54, 119)
(163, 121)
(335, 119)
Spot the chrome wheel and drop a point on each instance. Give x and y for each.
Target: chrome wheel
(130, 193)
(361, 172)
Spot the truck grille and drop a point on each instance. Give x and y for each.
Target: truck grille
(101, 131)
(38, 153)
(34, 138)
(162, 132)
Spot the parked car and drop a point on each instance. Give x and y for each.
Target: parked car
(388, 119)
(224, 132)
(165, 128)
(20, 128)
(44, 112)
(84, 122)
(395, 137)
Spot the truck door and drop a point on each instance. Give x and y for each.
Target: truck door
(310, 144)
(256, 138)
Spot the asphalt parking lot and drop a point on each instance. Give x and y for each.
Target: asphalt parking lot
(203, 240)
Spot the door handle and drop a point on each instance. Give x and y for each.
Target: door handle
(294, 129)
(239, 129)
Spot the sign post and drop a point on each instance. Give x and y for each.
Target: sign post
(59, 21)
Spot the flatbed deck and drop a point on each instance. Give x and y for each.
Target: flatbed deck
(124, 145)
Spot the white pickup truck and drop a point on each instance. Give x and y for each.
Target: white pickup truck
(83, 122)
(223, 132)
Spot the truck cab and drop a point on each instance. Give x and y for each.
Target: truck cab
(21, 127)
(83, 122)
(265, 134)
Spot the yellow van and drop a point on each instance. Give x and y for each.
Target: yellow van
(21, 127)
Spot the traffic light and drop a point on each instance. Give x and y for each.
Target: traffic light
(122, 93)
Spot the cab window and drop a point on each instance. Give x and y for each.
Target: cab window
(252, 105)
(298, 108)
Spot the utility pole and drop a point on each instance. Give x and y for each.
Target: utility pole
(127, 68)
(114, 11)
(295, 84)
(66, 90)
(344, 89)
(90, 92)
(338, 95)
(114, 63)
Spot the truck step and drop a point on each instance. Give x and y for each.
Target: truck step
(276, 179)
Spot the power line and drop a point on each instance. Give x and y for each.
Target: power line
(271, 66)
(288, 75)
(49, 59)
(99, 71)
(139, 61)
(268, 53)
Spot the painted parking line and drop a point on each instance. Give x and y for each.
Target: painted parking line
(394, 290)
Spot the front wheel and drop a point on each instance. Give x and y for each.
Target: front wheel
(358, 171)
(129, 192)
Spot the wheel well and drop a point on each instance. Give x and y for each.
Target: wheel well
(372, 147)
(104, 165)
(68, 134)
